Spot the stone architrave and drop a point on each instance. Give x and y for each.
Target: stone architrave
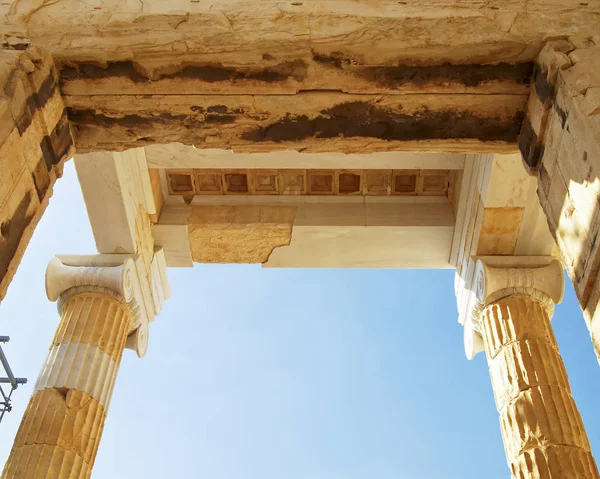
(384, 76)
(541, 427)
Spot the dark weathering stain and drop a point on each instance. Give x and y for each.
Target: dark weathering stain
(217, 113)
(543, 88)
(546, 182)
(531, 151)
(467, 75)
(11, 232)
(336, 59)
(56, 145)
(209, 73)
(90, 117)
(217, 109)
(46, 90)
(204, 117)
(224, 119)
(562, 113)
(15, 46)
(35, 101)
(347, 120)
(396, 76)
(359, 119)
(26, 118)
(115, 69)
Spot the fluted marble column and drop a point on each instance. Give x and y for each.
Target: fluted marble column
(62, 426)
(542, 430)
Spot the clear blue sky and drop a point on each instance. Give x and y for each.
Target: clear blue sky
(300, 374)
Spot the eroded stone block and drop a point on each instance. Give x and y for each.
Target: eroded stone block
(35, 140)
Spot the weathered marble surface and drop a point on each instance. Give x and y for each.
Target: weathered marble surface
(35, 140)
(542, 430)
(561, 145)
(308, 122)
(541, 427)
(62, 426)
(245, 32)
(114, 54)
(238, 234)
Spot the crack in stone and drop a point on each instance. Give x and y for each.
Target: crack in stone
(185, 19)
(26, 18)
(310, 20)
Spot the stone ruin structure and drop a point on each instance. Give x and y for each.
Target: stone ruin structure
(312, 133)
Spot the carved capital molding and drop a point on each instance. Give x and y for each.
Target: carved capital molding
(495, 278)
(546, 284)
(63, 281)
(121, 276)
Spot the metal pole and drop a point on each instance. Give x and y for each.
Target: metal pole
(11, 377)
(6, 398)
(17, 381)
(5, 406)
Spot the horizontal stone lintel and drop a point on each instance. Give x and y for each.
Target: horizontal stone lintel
(307, 122)
(312, 234)
(176, 155)
(333, 72)
(335, 33)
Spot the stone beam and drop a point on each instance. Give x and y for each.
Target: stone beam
(560, 143)
(176, 155)
(275, 40)
(308, 122)
(118, 196)
(208, 74)
(308, 231)
(35, 140)
(289, 77)
(380, 76)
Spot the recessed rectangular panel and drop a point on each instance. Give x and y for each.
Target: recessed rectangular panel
(181, 182)
(349, 182)
(321, 182)
(433, 182)
(404, 182)
(377, 182)
(344, 182)
(292, 182)
(264, 182)
(235, 182)
(209, 182)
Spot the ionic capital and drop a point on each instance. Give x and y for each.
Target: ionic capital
(122, 276)
(495, 278)
(66, 280)
(546, 284)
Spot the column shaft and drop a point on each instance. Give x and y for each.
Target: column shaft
(542, 430)
(62, 426)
